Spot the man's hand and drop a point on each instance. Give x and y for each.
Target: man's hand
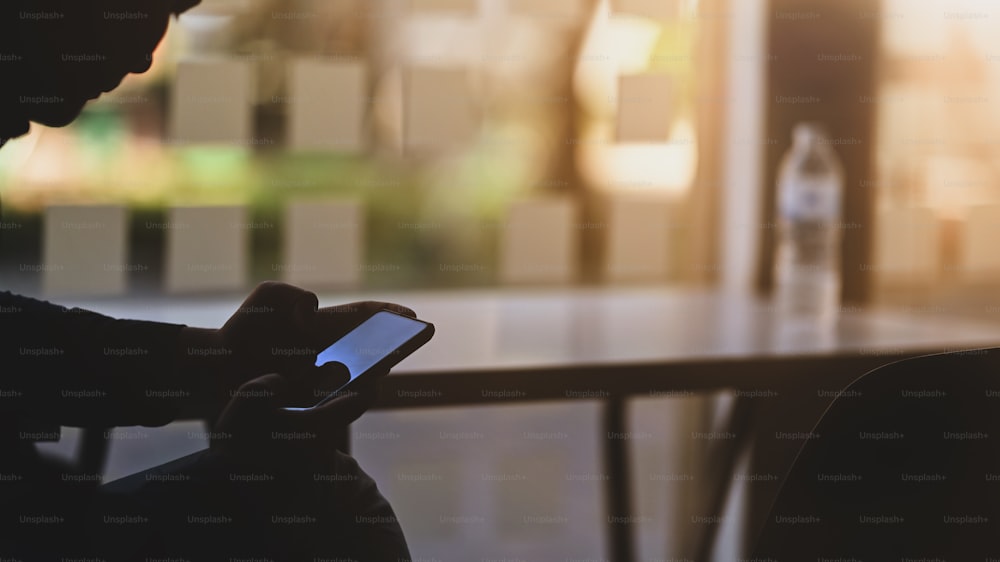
(254, 431)
(278, 329)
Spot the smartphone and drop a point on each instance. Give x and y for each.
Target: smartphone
(375, 346)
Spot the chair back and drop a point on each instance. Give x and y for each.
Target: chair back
(904, 463)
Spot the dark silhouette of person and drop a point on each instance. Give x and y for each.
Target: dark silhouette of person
(272, 485)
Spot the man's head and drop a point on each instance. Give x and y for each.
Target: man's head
(55, 55)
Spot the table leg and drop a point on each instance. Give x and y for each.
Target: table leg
(618, 498)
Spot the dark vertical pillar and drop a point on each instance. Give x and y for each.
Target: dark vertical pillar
(823, 66)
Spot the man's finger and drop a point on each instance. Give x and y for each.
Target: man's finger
(343, 410)
(311, 385)
(304, 310)
(278, 302)
(399, 309)
(332, 375)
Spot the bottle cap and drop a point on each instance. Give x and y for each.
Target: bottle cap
(808, 132)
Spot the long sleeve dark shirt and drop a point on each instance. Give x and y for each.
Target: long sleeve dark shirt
(73, 367)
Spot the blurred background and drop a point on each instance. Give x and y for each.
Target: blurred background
(432, 127)
(395, 145)
(436, 124)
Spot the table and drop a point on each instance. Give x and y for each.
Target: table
(501, 346)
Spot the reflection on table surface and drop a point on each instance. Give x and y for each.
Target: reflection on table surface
(490, 329)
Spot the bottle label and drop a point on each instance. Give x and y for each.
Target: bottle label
(810, 199)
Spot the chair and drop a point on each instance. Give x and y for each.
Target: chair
(904, 464)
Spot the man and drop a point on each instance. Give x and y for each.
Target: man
(256, 493)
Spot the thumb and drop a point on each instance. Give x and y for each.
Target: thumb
(342, 410)
(317, 384)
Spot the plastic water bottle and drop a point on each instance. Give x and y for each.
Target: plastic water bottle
(807, 262)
